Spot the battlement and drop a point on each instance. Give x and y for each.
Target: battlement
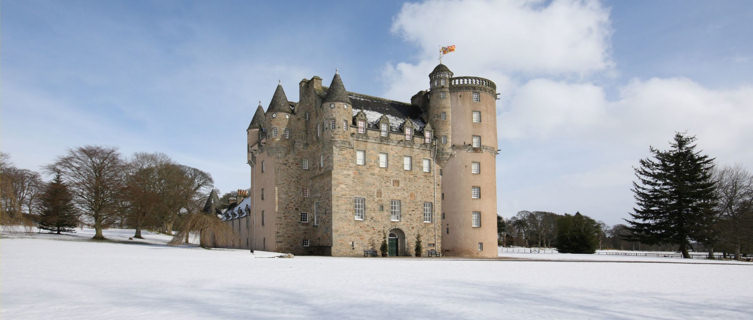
(473, 83)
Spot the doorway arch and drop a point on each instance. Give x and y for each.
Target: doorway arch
(396, 242)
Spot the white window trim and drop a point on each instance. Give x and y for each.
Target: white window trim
(407, 163)
(359, 208)
(426, 165)
(476, 141)
(361, 157)
(428, 212)
(476, 219)
(474, 194)
(304, 214)
(384, 129)
(385, 163)
(395, 210)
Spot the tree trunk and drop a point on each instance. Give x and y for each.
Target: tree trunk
(58, 230)
(188, 233)
(738, 249)
(138, 232)
(98, 228)
(684, 250)
(711, 253)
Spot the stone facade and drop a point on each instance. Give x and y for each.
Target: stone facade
(339, 173)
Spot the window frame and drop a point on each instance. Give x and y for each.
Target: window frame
(475, 167)
(359, 208)
(306, 243)
(407, 163)
(305, 164)
(386, 160)
(475, 219)
(304, 217)
(426, 165)
(361, 126)
(427, 136)
(428, 212)
(475, 192)
(476, 116)
(408, 133)
(395, 210)
(384, 130)
(476, 96)
(360, 157)
(476, 141)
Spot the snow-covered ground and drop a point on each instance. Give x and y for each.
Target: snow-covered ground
(607, 256)
(42, 277)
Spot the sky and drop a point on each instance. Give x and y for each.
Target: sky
(585, 86)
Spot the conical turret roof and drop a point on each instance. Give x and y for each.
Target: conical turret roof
(258, 119)
(336, 91)
(441, 68)
(279, 101)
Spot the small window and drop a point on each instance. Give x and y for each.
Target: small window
(476, 219)
(441, 82)
(318, 129)
(408, 133)
(304, 217)
(475, 192)
(361, 126)
(331, 105)
(306, 242)
(383, 160)
(407, 163)
(332, 124)
(274, 115)
(475, 167)
(274, 132)
(428, 212)
(476, 116)
(427, 136)
(307, 117)
(305, 164)
(262, 193)
(262, 166)
(476, 141)
(444, 139)
(426, 164)
(476, 97)
(262, 218)
(305, 192)
(442, 95)
(316, 213)
(345, 125)
(321, 161)
(286, 133)
(480, 246)
(384, 129)
(360, 157)
(443, 115)
(395, 210)
(359, 208)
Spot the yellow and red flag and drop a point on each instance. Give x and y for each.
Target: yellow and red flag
(448, 49)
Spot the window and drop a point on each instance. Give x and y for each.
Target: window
(305, 164)
(444, 139)
(359, 208)
(318, 129)
(332, 124)
(476, 97)
(475, 167)
(286, 133)
(407, 163)
(395, 210)
(383, 160)
(304, 217)
(476, 141)
(428, 212)
(274, 132)
(384, 129)
(360, 157)
(408, 133)
(262, 193)
(443, 115)
(476, 219)
(427, 136)
(480, 246)
(305, 192)
(331, 105)
(316, 213)
(321, 161)
(426, 164)
(442, 95)
(476, 116)
(307, 116)
(361, 126)
(475, 192)
(345, 125)
(305, 242)
(262, 218)
(262, 166)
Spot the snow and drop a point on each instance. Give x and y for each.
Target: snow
(550, 254)
(42, 276)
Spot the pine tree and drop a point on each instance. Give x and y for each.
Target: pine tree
(576, 234)
(675, 196)
(58, 213)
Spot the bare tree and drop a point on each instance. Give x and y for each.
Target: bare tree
(19, 189)
(145, 180)
(95, 176)
(735, 192)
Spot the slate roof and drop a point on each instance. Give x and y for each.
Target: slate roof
(258, 119)
(395, 111)
(279, 101)
(336, 92)
(440, 68)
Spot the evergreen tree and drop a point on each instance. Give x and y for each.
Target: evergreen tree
(675, 196)
(58, 213)
(576, 234)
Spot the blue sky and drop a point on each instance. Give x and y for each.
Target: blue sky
(586, 86)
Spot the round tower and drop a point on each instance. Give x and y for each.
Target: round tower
(337, 109)
(278, 115)
(469, 179)
(440, 110)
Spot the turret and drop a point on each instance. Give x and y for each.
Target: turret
(255, 129)
(277, 117)
(440, 115)
(336, 108)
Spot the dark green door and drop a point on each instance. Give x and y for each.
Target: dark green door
(393, 246)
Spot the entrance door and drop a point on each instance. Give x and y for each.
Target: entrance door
(393, 244)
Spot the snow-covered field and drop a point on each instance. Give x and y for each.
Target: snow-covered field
(43, 277)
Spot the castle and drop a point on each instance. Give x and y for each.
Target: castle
(339, 173)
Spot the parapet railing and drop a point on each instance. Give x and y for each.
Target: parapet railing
(473, 82)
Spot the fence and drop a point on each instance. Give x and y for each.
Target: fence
(655, 254)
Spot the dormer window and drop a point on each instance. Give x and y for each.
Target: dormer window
(384, 129)
(427, 136)
(361, 126)
(408, 133)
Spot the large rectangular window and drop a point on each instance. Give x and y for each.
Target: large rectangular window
(476, 219)
(476, 116)
(395, 210)
(407, 163)
(359, 208)
(476, 142)
(475, 167)
(360, 157)
(426, 164)
(428, 212)
(383, 160)
(475, 192)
